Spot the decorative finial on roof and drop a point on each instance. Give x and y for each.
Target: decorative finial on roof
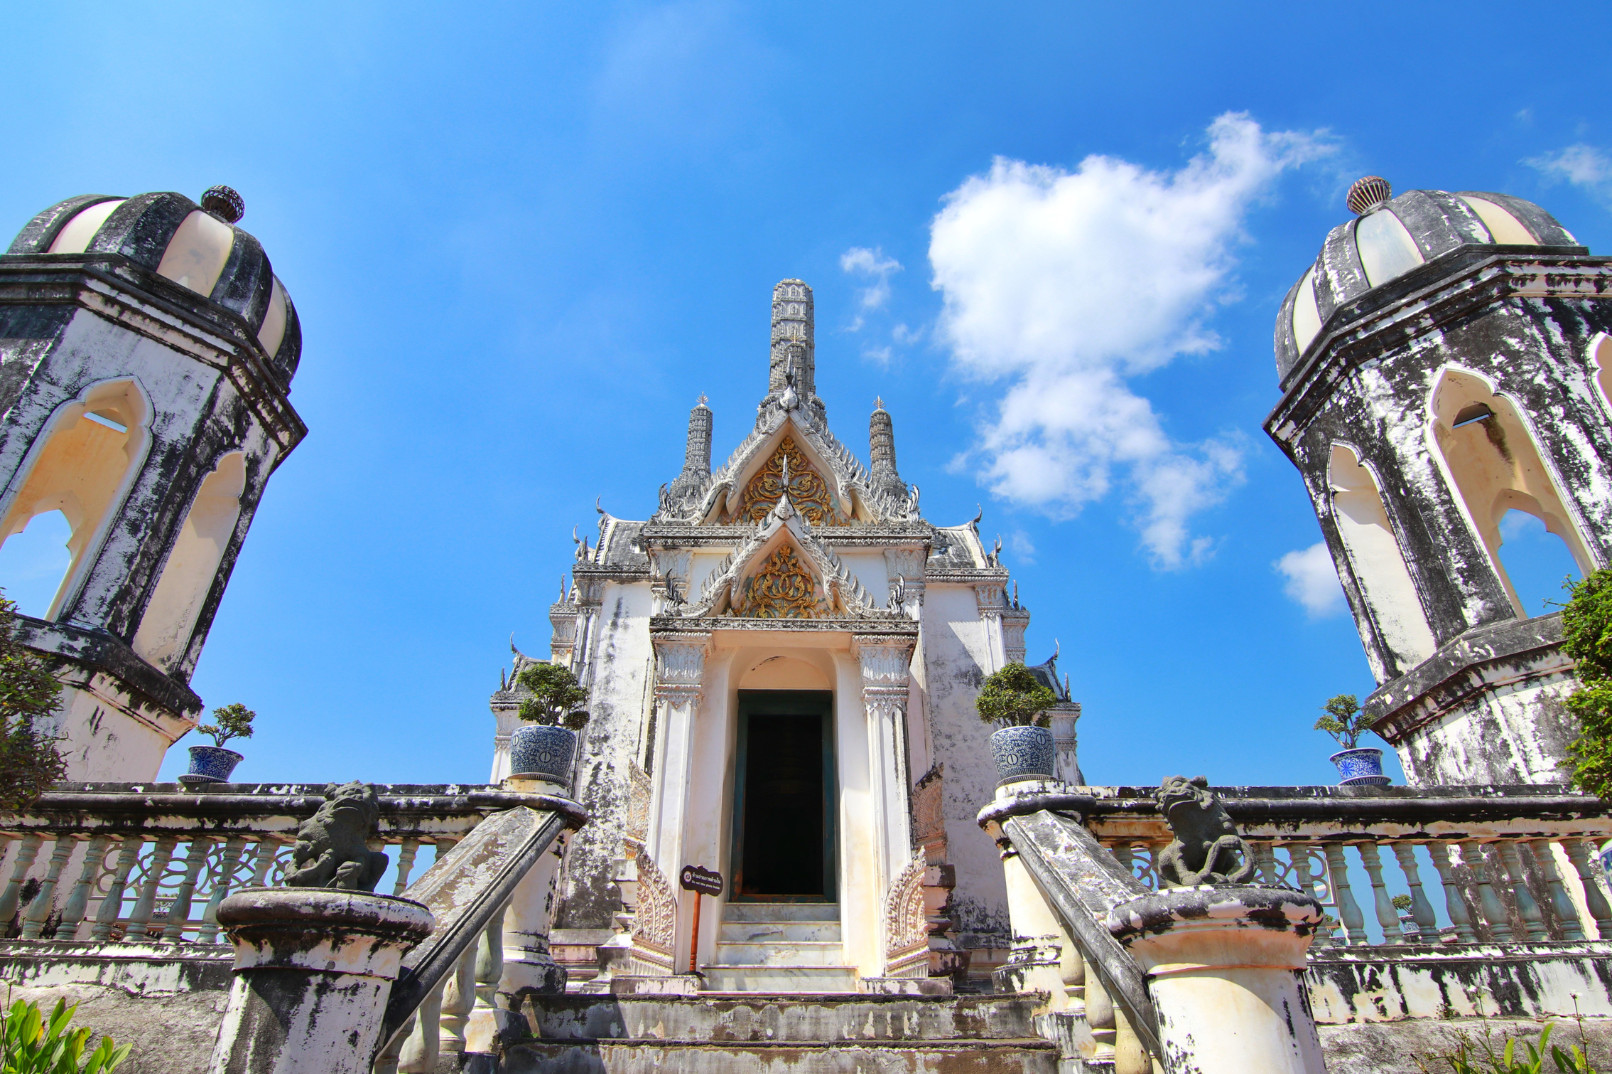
(701, 401)
(878, 402)
(224, 203)
(1368, 194)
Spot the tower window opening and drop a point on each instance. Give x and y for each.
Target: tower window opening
(1537, 561)
(1473, 413)
(34, 562)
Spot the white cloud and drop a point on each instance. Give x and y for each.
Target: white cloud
(1022, 547)
(1312, 580)
(873, 265)
(1582, 165)
(1065, 284)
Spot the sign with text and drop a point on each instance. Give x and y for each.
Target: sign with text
(704, 881)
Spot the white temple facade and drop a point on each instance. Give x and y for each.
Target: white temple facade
(783, 662)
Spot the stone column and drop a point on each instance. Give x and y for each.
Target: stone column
(529, 968)
(313, 970)
(1223, 965)
(886, 673)
(679, 688)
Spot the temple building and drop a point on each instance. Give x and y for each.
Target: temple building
(783, 661)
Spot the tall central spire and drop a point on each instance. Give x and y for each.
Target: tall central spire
(793, 349)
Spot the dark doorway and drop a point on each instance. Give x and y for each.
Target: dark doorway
(784, 797)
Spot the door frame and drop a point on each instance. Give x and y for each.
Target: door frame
(787, 702)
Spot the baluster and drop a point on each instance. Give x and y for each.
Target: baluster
(78, 901)
(1533, 922)
(1264, 862)
(1494, 911)
(162, 851)
(38, 912)
(1387, 915)
(1454, 903)
(1129, 1055)
(26, 852)
(111, 908)
(405, 863)
(1561, 907)
(229, 863)
(263, 858)
(481, 1029)
(457, 1000)
(179, 913)
(1578, 852)
(387, 1059)
(1421, 910)
(1100, 1017)
(1124, 852)
(419, 1055)
(1349, 915)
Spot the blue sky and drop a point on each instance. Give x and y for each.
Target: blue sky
(523, 238)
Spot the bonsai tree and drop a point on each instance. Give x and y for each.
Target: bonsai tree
(1342, 719)
(230, 721)
(29, 758)
(1013, 697)
(1587, 638)
(557, 700)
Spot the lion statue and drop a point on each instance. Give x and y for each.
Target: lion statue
(331, 850)
(1207, 848)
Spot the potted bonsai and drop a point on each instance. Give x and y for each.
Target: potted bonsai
(1016, 702)
(556, 710)
(213, 764)
(1360, 766)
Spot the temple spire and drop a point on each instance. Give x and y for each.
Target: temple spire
(882, 451)
(697, 453)
(793, 349)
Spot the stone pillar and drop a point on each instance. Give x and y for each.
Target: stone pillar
(313, 970)
(529, 968)
(1223, 965)
(679, 688)
(886, 672)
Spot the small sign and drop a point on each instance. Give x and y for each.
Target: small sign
(704, 881)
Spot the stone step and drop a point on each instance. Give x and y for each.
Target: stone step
(781, 911)
(776, 931)
(823, 978)
(791, 953)
(1024, 1056)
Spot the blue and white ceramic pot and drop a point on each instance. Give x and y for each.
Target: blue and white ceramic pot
(211, 764)
(1022, 753)
(543, 753)
(1361, 767)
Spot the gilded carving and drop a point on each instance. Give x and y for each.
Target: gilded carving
(807, 489)
(906, 923)
(781, 589)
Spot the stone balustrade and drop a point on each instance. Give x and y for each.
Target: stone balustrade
(1477, 864)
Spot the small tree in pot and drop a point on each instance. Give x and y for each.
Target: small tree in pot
(554, 713)
(1360, 766)
(1016, 702)
(215, 764)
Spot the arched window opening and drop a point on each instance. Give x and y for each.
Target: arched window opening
(1379, 566)
(34, 563)
(192, 564)
(1497, 469)
(1537, 561)
(1601, 358)
(82, 467)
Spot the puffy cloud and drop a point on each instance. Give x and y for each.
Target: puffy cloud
(1022, 547)
(874, 266)
(1312, 580)
(1062, 285)
(1582, 165)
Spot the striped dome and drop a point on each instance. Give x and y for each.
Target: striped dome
(1394, 236)
(172, 236)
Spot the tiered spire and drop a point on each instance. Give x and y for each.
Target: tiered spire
(697, 454)
(794, 351)
(882, 451)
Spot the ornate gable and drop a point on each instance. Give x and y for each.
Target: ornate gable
(789, 469)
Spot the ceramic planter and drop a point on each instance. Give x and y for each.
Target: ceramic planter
(211, 764)
(1362, 767)
(1022, 753)
(542, 752)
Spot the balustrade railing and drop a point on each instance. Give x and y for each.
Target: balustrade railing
(1470, 864)
(149, 863)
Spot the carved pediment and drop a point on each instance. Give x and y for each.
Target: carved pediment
(781, 588)
(788, 468)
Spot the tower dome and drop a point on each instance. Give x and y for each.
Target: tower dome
(1392, 237)
(197, 247)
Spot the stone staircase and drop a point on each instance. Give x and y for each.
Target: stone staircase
(780, 947)
(775, 1034)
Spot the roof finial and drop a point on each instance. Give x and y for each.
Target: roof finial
(1368, 194)
(702, 400)
(878, 402)
(224, 203)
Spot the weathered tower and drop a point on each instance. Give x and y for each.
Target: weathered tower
(1445, 361)
(146, 353)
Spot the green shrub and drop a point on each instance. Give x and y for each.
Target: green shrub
(34, 1044)
(1465, 1058)
(230, 721)
(29, 758)
(1342, 719)
(557, 698)
(1013, 697)
(1587, 638)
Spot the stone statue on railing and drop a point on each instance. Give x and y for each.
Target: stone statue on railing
(1207, 848)
(332, 850)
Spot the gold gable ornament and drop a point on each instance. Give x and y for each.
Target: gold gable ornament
(788, 468)
(781, 589)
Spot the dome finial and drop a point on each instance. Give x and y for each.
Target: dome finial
(1368, 194)
(224, 203)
